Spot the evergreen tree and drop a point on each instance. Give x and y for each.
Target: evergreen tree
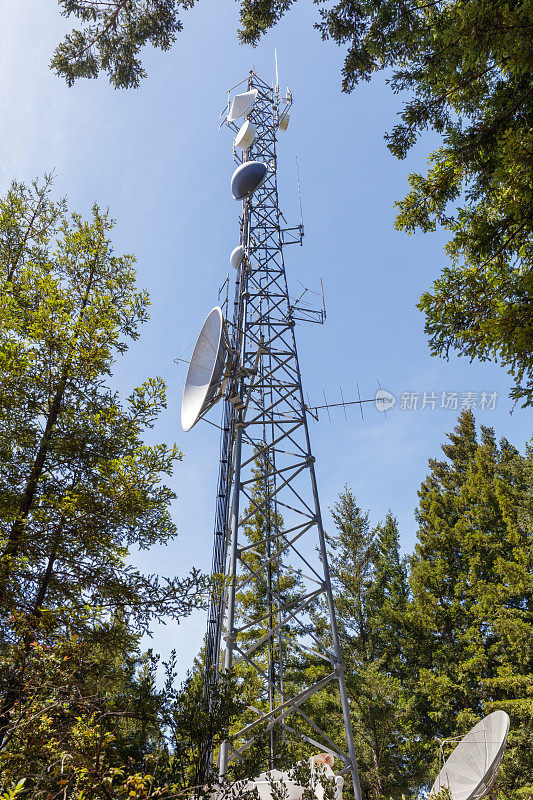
(78, 484)
(371, 597)
(112, 35)
(472, 584)
(467, 72)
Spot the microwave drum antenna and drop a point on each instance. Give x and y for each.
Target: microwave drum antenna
(470, 772)
(205, 377)
(247, 178)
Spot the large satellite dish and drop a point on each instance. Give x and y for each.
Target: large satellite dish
(470, 771)
(241, 105)
(205, 376)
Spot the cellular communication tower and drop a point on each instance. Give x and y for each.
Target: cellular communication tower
(246, 357)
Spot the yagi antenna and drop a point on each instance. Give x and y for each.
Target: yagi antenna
(313, 410)
(225, 286)
(307, 313)
(344, 403)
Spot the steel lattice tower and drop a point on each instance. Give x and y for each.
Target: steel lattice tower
(267, 471)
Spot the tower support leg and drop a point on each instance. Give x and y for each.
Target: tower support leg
(232, 575)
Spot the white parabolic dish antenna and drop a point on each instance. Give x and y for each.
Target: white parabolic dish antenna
(470, 771)
(205, 371)
(242, 104)
(245, 136)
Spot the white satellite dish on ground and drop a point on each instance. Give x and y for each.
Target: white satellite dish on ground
(205, 376)
(245, 136)
(470, 772)
(242, 104)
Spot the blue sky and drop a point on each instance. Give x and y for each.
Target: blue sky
(155, 157)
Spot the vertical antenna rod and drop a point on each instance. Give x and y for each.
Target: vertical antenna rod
(299, 195)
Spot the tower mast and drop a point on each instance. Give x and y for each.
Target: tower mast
(265, 443)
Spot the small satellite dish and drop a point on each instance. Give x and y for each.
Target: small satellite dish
(470, 771)
(247, 178)
(241, 105)
(206, 370)
(284, 122)
(236, 256)
(245, 136)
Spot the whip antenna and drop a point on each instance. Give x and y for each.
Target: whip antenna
(299, 195)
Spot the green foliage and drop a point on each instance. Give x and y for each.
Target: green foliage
(472, 584)
(257, 16)
(193, 724)
(87, 723)
(467, 71)
(371, 600)
(432, 644)
(94, 724)
(112, 34)
(13, 792)
(78, 484)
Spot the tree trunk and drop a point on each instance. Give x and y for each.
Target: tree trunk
(17, 530)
